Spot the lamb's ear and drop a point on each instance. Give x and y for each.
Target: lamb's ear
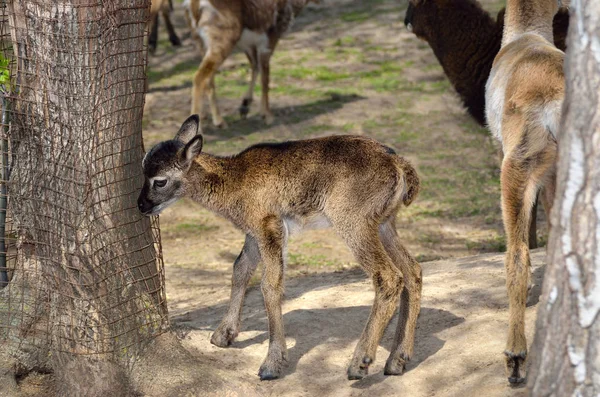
(189, 129)
(191, 150)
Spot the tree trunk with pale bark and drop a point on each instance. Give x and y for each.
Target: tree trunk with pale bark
(566, 350)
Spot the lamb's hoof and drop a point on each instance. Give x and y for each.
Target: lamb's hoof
(515, 367)
(271, 369)
(223, 336)
(395, 366)
(267, 375)
(356, 372)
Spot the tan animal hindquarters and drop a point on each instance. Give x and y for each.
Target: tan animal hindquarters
(524, 96)
(465, 39)
(255, 27)
(163, 7)
(353, 184)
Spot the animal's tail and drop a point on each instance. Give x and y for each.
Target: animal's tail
(411, 182)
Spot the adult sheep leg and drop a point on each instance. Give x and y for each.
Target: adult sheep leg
(271, 243)
(204, 84)
(522, 175)
(173, 38)
(243, 268)
(247, 100)
(153, 37)
(264, 59)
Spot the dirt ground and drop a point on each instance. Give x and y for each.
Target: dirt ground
(460, 335)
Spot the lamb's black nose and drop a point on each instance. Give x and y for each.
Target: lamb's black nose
(144, 205)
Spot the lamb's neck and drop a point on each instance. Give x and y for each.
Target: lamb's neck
(210, 183)
(529, 16)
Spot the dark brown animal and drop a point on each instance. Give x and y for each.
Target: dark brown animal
(465, 40)
(524, 97)
(164, 7)
(254, 26)
(353, 184)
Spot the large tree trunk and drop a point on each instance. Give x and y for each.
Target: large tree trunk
(566, 350)
(87, 289)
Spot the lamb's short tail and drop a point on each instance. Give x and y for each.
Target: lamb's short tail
(411, 182)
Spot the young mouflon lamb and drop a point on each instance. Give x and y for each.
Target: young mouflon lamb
(255, 27)
(350, 183)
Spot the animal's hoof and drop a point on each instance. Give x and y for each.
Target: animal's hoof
(515, 381)
(394, 366)
(267, 375)
(245, 108)
(515, 367)
(221, 124)
(356, 372)
(270, 369)
(223, 336)
(268, 118)
(175, 42)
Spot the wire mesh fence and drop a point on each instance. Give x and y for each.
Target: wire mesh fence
(80, 270)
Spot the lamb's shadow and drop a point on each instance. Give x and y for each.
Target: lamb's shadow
(336, 328)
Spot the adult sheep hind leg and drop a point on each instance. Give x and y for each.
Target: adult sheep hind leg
(524, 170)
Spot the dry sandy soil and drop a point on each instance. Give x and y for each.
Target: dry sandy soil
(459, 342)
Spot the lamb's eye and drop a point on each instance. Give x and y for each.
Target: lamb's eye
(160, 183)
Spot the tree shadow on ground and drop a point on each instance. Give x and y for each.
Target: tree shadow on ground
(285, 115)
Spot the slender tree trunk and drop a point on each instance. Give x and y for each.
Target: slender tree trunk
(566, 350)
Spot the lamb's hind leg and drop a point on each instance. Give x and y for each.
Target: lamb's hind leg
(387, 280)
(243, 268)
(410, 299)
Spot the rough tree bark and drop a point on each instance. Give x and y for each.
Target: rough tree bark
(86, 292)
(566, 349)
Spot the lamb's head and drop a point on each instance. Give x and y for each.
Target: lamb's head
(166, 166)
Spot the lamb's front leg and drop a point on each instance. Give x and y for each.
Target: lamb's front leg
(243, 268)
(271, 244)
